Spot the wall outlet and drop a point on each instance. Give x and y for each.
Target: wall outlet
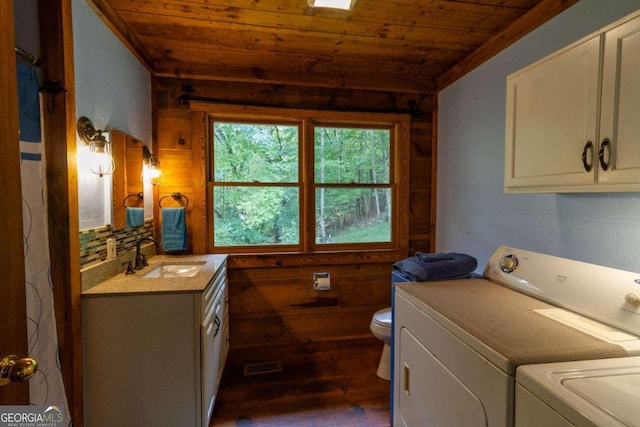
(322, 281)
(111, 248)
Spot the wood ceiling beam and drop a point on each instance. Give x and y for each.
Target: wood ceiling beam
(291, 62)
(537, 16)
(366, 80)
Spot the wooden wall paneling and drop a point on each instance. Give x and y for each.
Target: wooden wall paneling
(153, 147)
(271, 299)
(127, 155)
(420, 216)
(284, 300)
(328, 325)
(174, 126)
(200, 221)
(421, 134)
(176, 169)
(350, 288)
(295, 74)
(176, 161)
(170, 89)
(420, 182)
(255, 332)
(118, 180)
(404, 185)
(434, 176)
(133, 165)
(314, 260)
(59, 129)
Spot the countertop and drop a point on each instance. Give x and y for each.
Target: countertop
(133, 284)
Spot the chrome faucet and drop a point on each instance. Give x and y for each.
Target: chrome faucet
(141, 259)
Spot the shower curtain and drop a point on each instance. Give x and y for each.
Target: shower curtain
(46, 388)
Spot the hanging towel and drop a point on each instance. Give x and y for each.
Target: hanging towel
(174, 229)
(134, 217)
(29, 104)
(424, 267)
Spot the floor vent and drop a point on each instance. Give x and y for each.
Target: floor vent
(262, 368)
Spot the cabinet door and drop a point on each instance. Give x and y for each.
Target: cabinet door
(552, 114)
(211, 352)
(620, 122)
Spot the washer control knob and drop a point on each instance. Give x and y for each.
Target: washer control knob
(632, 299)
(508, 263)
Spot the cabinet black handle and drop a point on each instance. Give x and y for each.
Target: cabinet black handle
(588, 146)
(217, 323)
(603, 164)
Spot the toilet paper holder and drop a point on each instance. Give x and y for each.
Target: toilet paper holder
(322, 281)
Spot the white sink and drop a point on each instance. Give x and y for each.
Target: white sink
(175, 269)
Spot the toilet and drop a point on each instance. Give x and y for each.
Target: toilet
(381, 328)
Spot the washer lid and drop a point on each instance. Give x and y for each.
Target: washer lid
(615, 393)
(601, 392)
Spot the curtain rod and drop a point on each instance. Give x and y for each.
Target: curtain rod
(31, 57)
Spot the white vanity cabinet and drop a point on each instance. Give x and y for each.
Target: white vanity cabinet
(154, 358)
(571, 123)
(214, 340)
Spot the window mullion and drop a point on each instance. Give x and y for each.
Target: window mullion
(307, 205)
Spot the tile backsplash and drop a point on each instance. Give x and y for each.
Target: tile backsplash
(93, 242)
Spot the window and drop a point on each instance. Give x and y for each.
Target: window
(304, 185)
(352, 186)
(256, 196)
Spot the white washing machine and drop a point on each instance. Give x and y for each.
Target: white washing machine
(602, 393)
(457, 344)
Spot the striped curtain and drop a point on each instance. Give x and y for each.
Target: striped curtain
(46, 387)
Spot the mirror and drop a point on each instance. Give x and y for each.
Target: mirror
(128, 189)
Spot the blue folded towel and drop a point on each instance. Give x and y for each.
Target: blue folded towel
(424, 267)
(430, 257)
(134, 217)
(174, 229)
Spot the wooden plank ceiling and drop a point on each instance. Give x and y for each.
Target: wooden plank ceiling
(412, 46)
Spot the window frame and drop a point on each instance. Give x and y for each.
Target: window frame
(307, 120)
(314, 185)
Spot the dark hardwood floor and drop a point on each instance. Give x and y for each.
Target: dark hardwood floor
(319, 385)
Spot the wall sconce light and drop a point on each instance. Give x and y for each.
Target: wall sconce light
(333, 4)
(151, 172)
(100, 158)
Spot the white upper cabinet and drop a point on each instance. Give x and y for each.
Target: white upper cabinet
(620, 114)
(572, 123)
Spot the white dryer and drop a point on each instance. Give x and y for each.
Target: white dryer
(594, 393)
(457, 344)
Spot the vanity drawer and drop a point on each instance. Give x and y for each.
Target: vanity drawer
(218, 282)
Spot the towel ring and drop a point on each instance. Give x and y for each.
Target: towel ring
(176, 197)
(140, 196)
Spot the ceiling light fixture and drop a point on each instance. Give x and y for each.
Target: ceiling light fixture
(100, 158)
(333, 4)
